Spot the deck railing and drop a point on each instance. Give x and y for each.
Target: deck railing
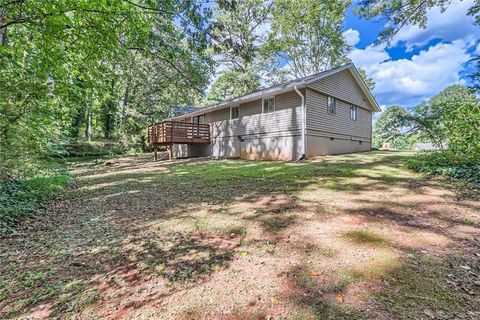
(170, 132)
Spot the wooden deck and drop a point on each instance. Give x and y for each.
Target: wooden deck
(171, 132)
(168, 133)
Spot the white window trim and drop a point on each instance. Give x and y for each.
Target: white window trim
(353, 111)
(199, 115)
(334, 105)
(274, 104)
(237, 106)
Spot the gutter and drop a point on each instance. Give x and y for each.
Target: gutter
(235, 101)
(304, 140)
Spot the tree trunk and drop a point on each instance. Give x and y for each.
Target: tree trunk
(109, 112)
(88, 127)
(124, 105)
(3, 30)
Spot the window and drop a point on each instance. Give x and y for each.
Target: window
(268, 104)
(234, 112)
(199, 119)
(353, 112)
(331, 105)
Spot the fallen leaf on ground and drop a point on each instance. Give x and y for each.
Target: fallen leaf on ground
(429, 313)
(314, 273)
(339, 298)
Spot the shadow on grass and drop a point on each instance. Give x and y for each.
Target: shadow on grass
(188, 258)
(421, 287)
(100, 227)
(72, 282)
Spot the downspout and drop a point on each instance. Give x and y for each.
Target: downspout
(304, 140)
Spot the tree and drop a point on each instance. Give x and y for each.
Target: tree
(65, 64)
(391, 127)
(238, 37)
(402, 12)
(368, 81)
(451, 116)
(307, 35)
(227, 85)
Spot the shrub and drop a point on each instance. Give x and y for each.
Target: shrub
(447, 164)
(19, 198)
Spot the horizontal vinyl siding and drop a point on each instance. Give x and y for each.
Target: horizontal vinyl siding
(217, 115)
(286, 120)
(338, 125)
(251, 108)
(269, 136)
(258, 124)
(288, 100)
(342, 85)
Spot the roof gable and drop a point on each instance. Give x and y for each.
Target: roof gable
(289, 86)
(344, 85)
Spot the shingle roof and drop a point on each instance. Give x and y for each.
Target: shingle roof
(300, 83)
(425, 146)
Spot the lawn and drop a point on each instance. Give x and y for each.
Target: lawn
(340, 237)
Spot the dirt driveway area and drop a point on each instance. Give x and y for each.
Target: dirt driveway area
(339, 237)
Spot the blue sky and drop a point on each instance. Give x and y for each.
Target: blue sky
(418, 63)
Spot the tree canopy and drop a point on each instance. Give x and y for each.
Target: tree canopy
(75, 66)
(401, 13)
(391, 128)
(307, 35)
(450, 118)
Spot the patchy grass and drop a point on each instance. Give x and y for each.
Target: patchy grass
(425, 287)
(351, 236)
(366, 237)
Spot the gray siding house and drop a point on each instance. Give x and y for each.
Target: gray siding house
(326, 113)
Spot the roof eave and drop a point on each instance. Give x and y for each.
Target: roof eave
(300, 84)
(365, 89)
(243, 99)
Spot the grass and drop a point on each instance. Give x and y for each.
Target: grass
(422, 286)
(238, 239)
(26, 197)
(365, 237)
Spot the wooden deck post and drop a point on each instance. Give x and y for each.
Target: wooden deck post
(170, 152)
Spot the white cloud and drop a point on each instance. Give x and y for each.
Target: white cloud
(369, 57)
(352, 37)
(408, 81)
(450, 25)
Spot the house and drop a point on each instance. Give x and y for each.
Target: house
(326, 113)
(429, 147)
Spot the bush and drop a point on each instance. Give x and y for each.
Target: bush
(447, 164)
(19, 198)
